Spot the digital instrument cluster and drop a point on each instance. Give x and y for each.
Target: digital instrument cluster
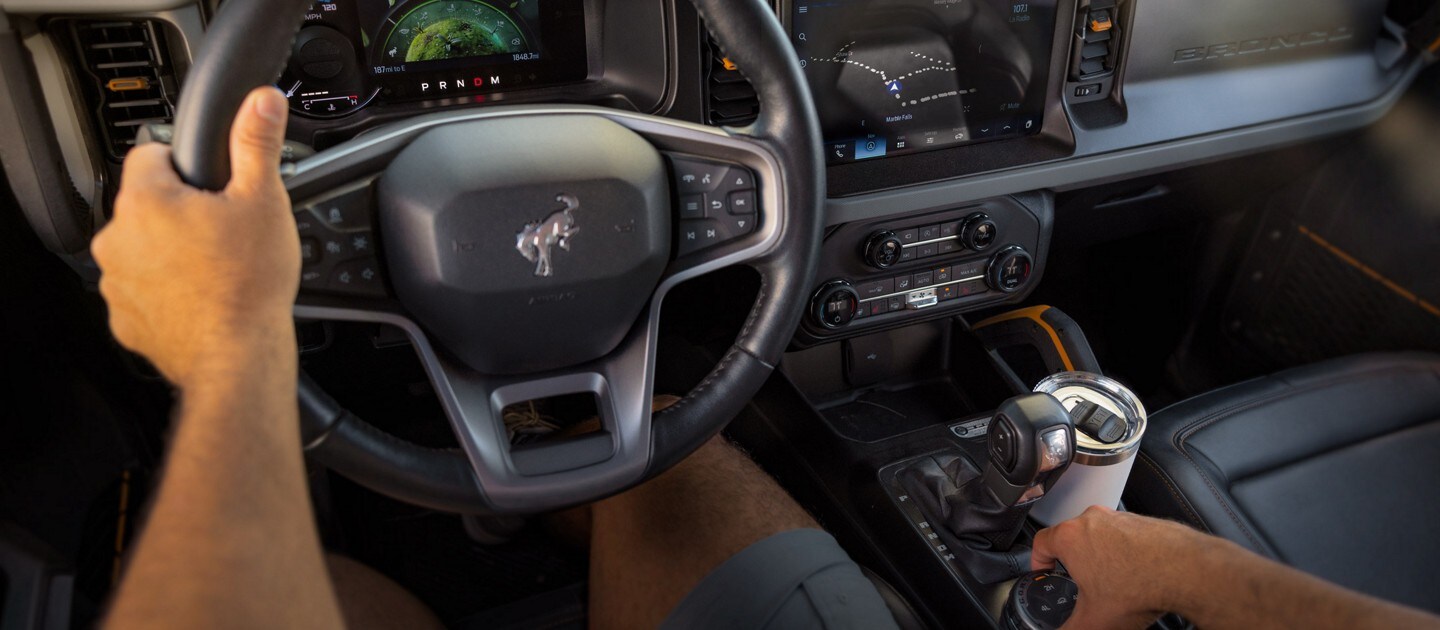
(900, 76)
(354, 52)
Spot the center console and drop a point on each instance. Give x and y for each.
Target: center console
(905, 437)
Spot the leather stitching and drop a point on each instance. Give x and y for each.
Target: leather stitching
(1174, 492)
(1208, 420)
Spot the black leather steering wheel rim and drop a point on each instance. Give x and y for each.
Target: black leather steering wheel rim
(261, 32)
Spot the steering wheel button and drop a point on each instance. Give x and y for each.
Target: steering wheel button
(739, 226)
(697, 235)
(309, 251)
(696, 176)
(742, 202)
(357, 277)
(692, 207)
(346, 212)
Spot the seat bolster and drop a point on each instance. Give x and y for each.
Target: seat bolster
(1196, 450)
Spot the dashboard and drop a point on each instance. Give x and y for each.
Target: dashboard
(351, 53)
(949, 125)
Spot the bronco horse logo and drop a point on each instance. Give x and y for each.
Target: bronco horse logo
(535, 241)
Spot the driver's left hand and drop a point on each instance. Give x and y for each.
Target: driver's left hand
(189, 273)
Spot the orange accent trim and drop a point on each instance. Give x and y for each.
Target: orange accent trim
(1374, 275)
(1435, 45)
(1033, 314)
(127, 84)
(729, 65)
(1100, 26)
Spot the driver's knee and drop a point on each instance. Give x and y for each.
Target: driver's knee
(369, 600)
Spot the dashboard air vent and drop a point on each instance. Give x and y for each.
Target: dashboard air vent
(731, 99)
(127, 78)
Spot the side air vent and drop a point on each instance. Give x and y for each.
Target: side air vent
(731, 99)
(126, 76)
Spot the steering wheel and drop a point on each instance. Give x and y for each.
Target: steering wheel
(539, 271)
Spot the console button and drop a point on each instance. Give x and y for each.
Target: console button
(947, 292)
(949, 229)
(978, 232)
(929, 232)
(895, 303)
(904, 283)
(926, 251)
(834, 305)
(883, 250)
(924, 279)
(878, 307)
(875, 289)
(943, 275)
(908, 255)
(910, 236)
(1010, 270)
(948, 247)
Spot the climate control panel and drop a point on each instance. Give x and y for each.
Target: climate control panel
(889, 272)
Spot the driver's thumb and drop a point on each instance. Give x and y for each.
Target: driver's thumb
(256, 140)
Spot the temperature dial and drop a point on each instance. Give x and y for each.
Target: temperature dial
(323, 78)
(835, 304)
(1010, 269)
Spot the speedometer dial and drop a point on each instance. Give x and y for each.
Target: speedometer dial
(435, 30)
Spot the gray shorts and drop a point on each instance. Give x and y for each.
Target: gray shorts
(795, 579)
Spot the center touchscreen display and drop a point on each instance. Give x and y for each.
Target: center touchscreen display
(899, 76)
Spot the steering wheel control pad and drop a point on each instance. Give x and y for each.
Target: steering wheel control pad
(497, 251)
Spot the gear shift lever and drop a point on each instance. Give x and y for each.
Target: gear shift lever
(979, 514)
(1032, 440)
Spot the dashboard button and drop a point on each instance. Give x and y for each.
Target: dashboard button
(949, 229)
(943, 275)
(742, 202)
(910, 236)
(929, 232)
(1010, 270)
(895, 303)
(875, 289)
(926, 251)
(924, 279)
(947, 292)
(883, 250)
(904, 283)
(908, 255)
(947, 247)
(834, 305)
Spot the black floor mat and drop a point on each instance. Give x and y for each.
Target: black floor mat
(430, 554)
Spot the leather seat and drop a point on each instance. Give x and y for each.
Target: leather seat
(1332, 468)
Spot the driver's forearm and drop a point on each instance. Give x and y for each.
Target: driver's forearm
(231, 541)
(1229, 587)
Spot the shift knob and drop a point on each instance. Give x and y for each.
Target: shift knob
(1031, 442)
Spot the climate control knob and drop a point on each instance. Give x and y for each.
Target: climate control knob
(835, 304)
(1010, 269)
(978, 232)
(883, 250)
